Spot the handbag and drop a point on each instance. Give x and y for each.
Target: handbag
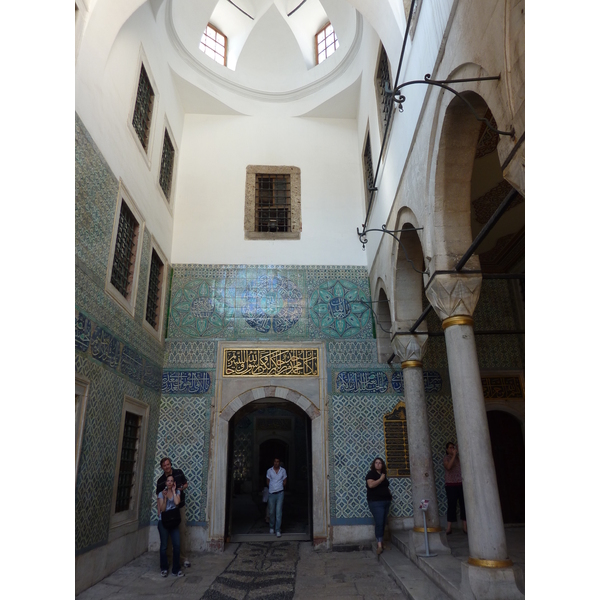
(171, 518)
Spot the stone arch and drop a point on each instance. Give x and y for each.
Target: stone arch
(269, 391)
(408, 283)
(383, 327)
(452, 204)
(231, 395)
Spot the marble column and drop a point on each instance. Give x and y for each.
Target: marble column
(488, 574)
(410, 350)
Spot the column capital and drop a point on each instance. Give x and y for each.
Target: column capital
(454, 294)
(410, 347)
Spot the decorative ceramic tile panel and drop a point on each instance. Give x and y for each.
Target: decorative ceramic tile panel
(184, 435)
(185, 382)
(352, 353)
(191, 354)
(361, 382)
(358, 438)
(93, 495)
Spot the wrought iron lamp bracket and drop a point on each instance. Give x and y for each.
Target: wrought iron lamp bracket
(362, 237)
(400, 98)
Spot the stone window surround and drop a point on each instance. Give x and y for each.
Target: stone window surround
(168, 201)
(249, 207)
(146, 154)
(127, 303)
(163, 291)
(126, 522)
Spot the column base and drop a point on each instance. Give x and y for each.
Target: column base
(483, 583)
(436, 539)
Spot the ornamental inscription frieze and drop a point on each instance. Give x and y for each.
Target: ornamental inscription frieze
(271, 362)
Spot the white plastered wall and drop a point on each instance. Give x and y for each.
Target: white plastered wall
(214, 154)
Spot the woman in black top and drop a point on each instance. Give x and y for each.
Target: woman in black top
(379, 498)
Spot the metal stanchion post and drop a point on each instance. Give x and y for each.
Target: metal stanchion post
(423, 506)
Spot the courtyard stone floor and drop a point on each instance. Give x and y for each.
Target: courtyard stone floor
(267, 570)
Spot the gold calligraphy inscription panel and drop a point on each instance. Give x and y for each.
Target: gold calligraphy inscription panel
(396, 442)
(270, 362)
(502, 387)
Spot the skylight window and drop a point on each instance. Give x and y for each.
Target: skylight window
(214, 44)
(326, 42)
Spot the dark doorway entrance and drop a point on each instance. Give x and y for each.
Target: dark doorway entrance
(508, 449)
(259, 433)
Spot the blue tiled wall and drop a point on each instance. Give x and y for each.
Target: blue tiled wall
(112, 349)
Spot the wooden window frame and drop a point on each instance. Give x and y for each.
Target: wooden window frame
(126, 303)
(157, 333)
(217, 31)
(335, 41)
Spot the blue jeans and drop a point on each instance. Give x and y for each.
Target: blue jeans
(275, 510)
(164, 540)
(380, 509)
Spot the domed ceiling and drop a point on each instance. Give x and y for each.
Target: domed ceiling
(271, 56)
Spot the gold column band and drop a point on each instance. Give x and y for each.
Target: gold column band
(458, 320)
(490, 564)
(429, 529)
(411, 363)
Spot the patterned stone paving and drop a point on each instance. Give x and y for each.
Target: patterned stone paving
(269, 571)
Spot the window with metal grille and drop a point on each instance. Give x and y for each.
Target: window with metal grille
(385, 101)
(167, 163)
(125, 250)
(214, 44)
(142, 113)
(154, 290)
(273, 203)
(127, 466)
(326, 42)
(368, 167)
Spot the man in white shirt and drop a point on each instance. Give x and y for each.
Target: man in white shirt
(276, 479)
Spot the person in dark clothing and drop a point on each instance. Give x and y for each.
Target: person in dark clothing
(182, 485)
(379, 498)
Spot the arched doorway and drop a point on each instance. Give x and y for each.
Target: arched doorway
(258, 433)
(508, 449)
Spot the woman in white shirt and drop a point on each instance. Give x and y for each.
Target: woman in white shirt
(167, 500)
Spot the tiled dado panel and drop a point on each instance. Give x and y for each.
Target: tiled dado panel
(98, 460)
(356, 438)
(265, 302)
(184, 436)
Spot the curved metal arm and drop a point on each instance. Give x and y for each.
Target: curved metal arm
(362, 236)
(400, 99)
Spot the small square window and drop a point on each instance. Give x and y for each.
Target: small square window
(273, 203)
(326, 42)
(214, 44)
(272, 209)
